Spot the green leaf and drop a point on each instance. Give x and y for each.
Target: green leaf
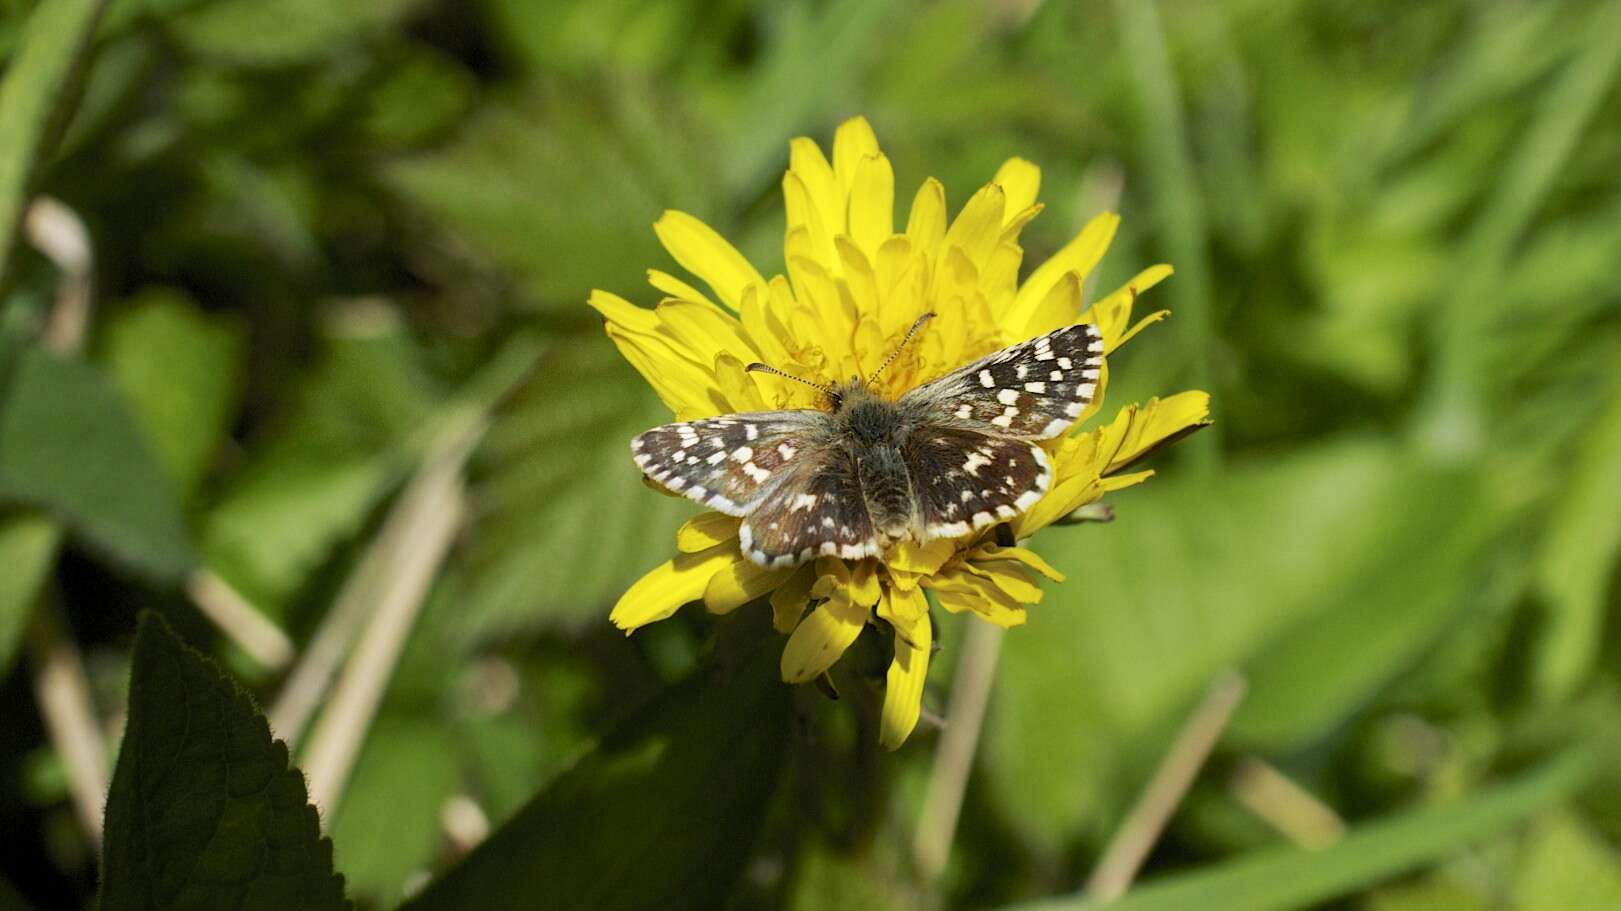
(176, 366)
(28, 543)
(566, 523)
(204, 811)
(38, 83)
(663, 813)
(69, 445)
(1577, 560)
(1289, 878)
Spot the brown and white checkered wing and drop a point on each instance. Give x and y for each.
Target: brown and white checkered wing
(1033, 390)
(964, 480)
(727, 463)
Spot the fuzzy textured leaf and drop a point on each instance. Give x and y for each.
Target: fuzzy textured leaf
(205, 811)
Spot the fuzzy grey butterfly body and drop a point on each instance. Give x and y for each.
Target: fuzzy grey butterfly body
(949, 457)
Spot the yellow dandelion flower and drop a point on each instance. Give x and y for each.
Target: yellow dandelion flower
(854, 286)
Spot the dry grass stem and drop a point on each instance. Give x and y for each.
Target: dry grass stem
(1125, 853)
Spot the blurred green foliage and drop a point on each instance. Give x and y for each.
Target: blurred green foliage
(314, 227)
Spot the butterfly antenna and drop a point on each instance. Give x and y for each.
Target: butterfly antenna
(758, 367)
(898, 348)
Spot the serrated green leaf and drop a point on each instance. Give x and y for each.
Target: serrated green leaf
(1288, 878)
(661, 814)
(69, 445)
(28, 543)
(37, 84)
(176, 366)
(565, 522)
(205, 811)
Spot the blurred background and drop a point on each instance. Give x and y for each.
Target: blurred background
(294, 351)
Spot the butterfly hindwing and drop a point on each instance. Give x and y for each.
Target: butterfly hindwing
(1033, 390)
(817, 509)
(965, 481)
(726, 463)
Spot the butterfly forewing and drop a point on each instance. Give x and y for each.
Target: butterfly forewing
(965, 481)
(818, 509)
(1033, 390)
(726, 463)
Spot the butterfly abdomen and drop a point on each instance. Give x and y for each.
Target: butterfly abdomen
(887, 488)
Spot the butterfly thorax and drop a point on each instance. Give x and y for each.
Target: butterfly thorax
(874, 433)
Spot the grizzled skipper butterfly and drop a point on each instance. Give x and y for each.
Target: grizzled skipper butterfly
(949, 457)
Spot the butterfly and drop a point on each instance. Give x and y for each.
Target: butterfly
(949, 457)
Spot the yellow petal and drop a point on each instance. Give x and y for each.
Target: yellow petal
(805, 161)
(616, 309)
(903, 690)
(1158, 421)
(675, 287)
(1016, 220)
(705, 530)
(1136, 327)
(762, 320)
(960, 591)
(872, 203)
(1113, 312)
(903, 606)
(821, 638)
(687, 390)
(739, 583)
(738, 386)
(926, 226)
(1020, 182)
(661, 592)
(864, 587)
(1023, 554)
(1060, 307)
(1079, 255)
(673, 368)
(1010, 577)
(979, 225)
(852, 142)
(908, 556)
(1122, 481)
(789, 600)
(703, 252)
(706, 329)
